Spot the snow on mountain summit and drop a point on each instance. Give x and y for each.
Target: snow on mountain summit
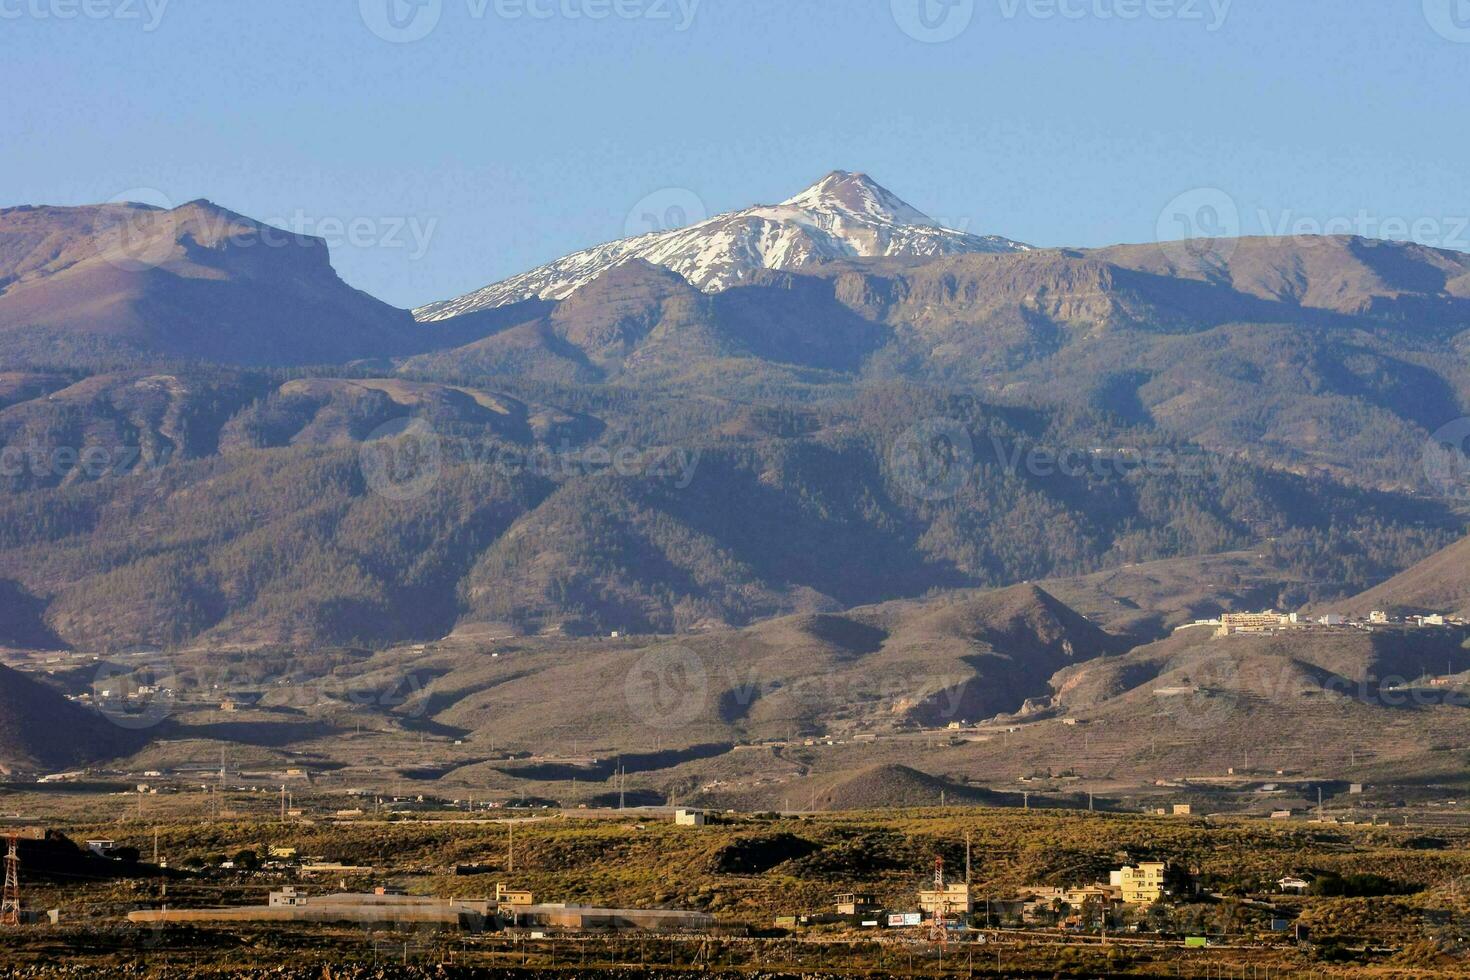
(843, 215)
(858, 194)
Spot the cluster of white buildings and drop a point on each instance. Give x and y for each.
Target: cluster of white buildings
(1270, 621)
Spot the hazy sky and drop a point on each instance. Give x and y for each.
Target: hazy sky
(515, 131)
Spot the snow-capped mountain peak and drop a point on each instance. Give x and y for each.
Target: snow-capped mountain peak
(858, 194)
(843, 215)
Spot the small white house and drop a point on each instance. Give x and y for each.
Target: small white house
(685, 817)
(1294, 885)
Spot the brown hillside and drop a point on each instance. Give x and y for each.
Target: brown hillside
(197, 281)
(40, 729)
(1439, 583)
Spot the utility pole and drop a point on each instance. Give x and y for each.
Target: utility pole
(510, 864)
(10, 909)
(283, 803)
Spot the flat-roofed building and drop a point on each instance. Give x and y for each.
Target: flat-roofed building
(1142, 884)
(1262, 622)
(512, 897)
(587, 918)
(856, 903)
(955, 899)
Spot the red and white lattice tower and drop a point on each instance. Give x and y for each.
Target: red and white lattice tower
(10, 909)
(939, 930)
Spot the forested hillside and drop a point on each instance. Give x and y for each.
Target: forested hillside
(638, 454)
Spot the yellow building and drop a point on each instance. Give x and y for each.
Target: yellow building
(1142, 885)
(954, 900)
(1263, 622)
(513, 897)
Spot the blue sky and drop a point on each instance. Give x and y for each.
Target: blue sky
(515, 131)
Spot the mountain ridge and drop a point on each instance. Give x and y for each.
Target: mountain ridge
(843, 214)
(100, 283)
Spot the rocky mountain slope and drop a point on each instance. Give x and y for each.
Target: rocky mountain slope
(198, 282)
(654, 454)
